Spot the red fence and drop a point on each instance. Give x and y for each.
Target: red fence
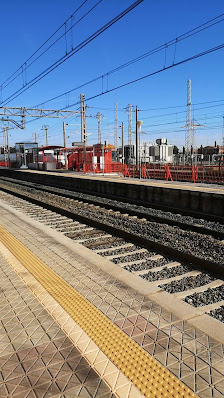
(107, 168)
(4, 164)
(184, 173)
(161, 172)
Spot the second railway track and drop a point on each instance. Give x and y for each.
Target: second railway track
(182, 262)
(199, 225)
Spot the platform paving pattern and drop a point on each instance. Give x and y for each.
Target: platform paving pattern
(30, 336)
(37, 359)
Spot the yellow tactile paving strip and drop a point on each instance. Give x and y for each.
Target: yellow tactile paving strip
(151, 378)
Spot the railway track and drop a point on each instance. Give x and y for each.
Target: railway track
(149, 249)
(59, 182)
(192, 223)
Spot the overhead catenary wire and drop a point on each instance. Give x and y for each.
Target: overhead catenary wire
(42, 45)
(168, 67)
(191, 58)
(179, 112)
(51, 45)
(180, 106)
(161, 47)
(46, 41)
(71, 53)
(182, 121)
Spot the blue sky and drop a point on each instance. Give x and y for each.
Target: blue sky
(26, 25)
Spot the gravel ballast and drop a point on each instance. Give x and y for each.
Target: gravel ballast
(209, 296)
(166, 273)
(218, 313)
(142, 210)
(146, 265)
(187, 283)
(132, 257)
(122, 250)
(186, 241)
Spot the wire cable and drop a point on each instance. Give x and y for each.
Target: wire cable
(149, 53)
(72, 52)
(46, 41)
(51, 45)
(193, 57)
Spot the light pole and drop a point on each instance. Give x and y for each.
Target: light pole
(64, 137)
(136, 135)
(122, 141)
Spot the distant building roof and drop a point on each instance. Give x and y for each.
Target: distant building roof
(51, 147)
(25, 143)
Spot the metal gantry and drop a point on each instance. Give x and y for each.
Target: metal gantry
(35, 112)
(9, 112)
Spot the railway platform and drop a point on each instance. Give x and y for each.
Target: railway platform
(181, 185)
(186, 197)
(74, 325)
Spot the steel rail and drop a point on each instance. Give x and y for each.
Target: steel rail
(196, 262)
(70, 195)
(59, 184)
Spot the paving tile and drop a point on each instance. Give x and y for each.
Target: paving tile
(44, 362)
(187, 351)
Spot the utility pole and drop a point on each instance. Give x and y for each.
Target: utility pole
(35, 152)
(83, 119)
(83, 125)
(223, 136)
(188, 137)
(7, 143)
(64, 135)
(129, 124)
(7, 137)
(99, 116)
(193, 139)
(4, 144)
(122, 141)
(115, 126)
(46, 133)
(46, 136)
(136, 135)
(64, 139)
